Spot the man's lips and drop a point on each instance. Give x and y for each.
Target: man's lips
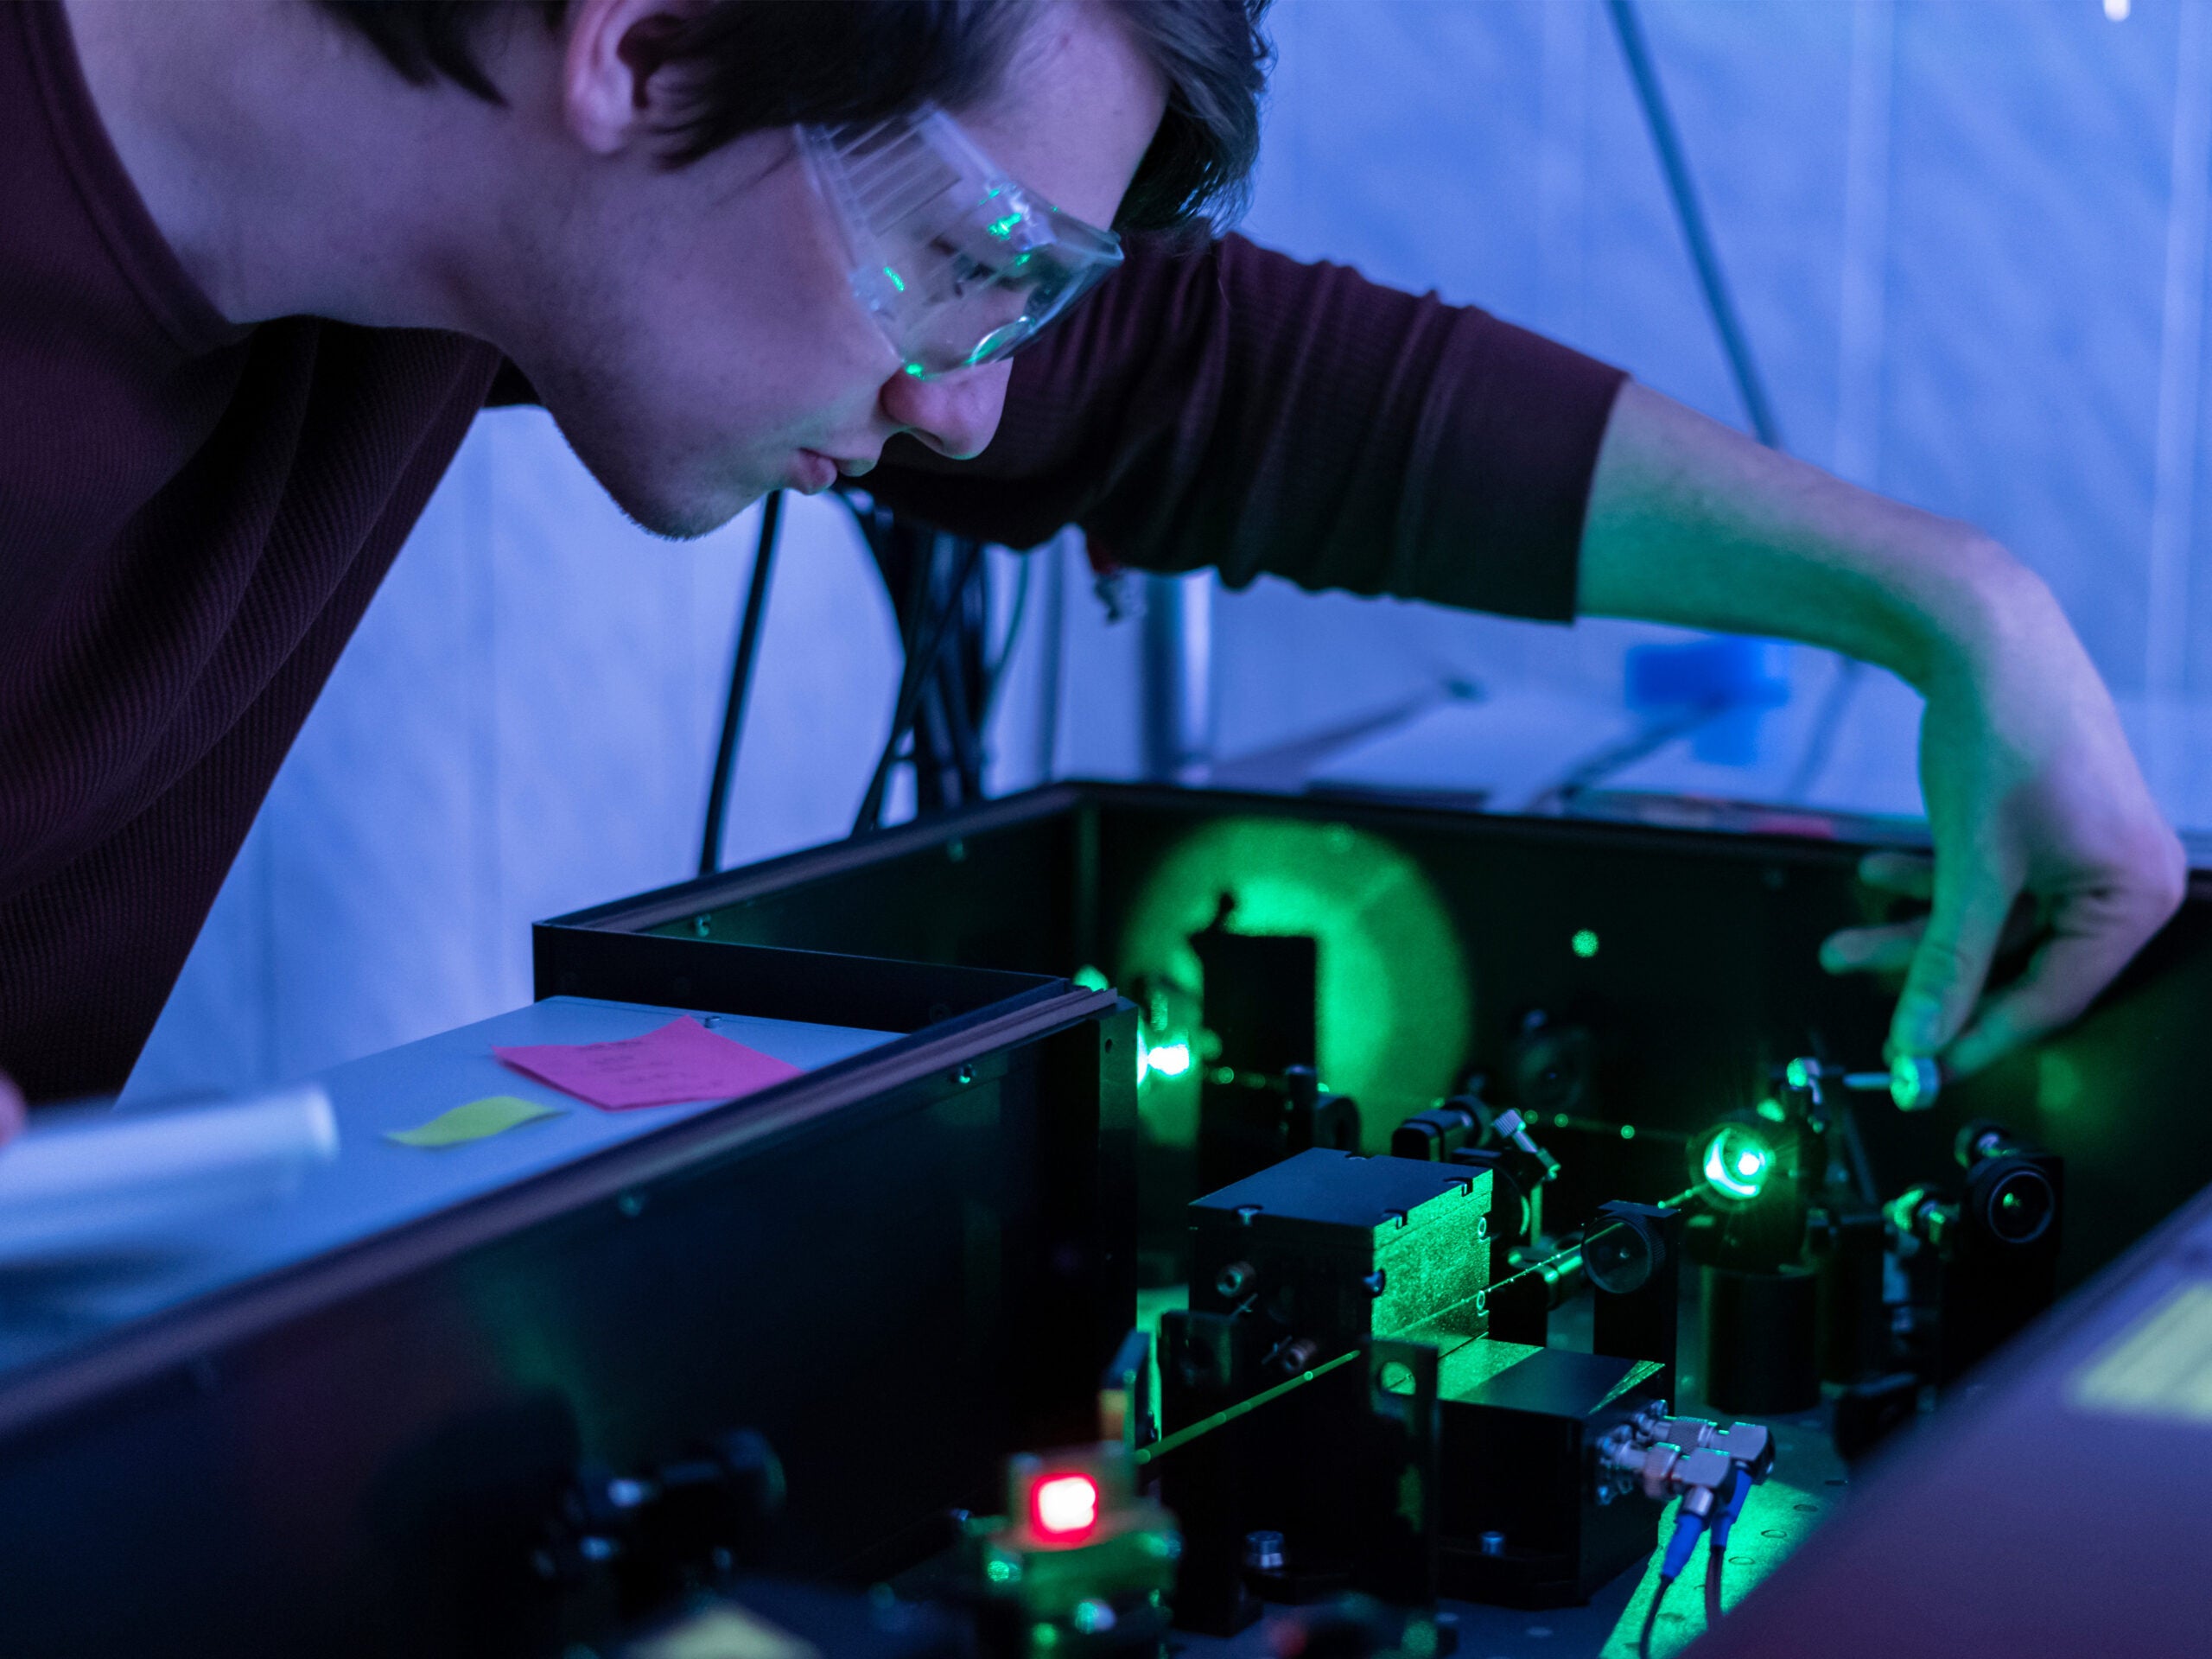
(816, 472)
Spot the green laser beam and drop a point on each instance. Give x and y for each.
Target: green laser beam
(1183, 1437)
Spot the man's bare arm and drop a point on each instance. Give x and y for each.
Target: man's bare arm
(2030, 787)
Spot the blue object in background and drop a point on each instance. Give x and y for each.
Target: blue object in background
(1726, 676)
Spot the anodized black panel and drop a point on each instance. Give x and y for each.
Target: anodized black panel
(1708, 972)
(2058, 1510)
(894, 1267)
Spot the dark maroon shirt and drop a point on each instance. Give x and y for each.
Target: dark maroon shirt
(195, 515)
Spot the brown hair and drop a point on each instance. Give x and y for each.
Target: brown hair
(747, 65)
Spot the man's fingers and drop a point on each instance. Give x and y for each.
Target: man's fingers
(1911, 875)
(2093, 938)
(1953, 958)
(1886, 949)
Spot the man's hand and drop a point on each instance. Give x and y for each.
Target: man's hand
(2045, 832)
(2029, 785)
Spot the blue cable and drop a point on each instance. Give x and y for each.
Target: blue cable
(1688, 1528)
(1682, 1545)
(1724, 1520)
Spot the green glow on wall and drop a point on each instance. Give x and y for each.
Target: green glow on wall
(1396, 1003)
(1585, 943)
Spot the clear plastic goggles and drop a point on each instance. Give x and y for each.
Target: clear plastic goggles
(958, 263)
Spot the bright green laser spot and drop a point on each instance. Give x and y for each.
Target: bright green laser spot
(1089, 978)
(1628, 1131)
(895, 281)
(1585, 943)
(1169, 1059)
(1771, 1111)
(1797, 1076)
(1004, 227)
(916, 370)
(1735, 1165)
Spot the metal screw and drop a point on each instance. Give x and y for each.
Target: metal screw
(1233, 1280)
(631, 1204)
(1482, 1227)
(1295, 1356)
(1263, 1551)
(1492, 1543)
(965, 1076)
(702, 925)
(1374, 1282)
(1245, 1212)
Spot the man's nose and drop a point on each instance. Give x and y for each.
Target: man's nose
(956, 415)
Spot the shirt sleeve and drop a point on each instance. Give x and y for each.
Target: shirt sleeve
(1233, 407)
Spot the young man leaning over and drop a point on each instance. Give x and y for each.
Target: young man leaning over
(264, 260)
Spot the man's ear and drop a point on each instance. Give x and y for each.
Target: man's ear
(614, 82)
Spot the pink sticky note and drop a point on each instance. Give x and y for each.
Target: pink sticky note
(682, 1060)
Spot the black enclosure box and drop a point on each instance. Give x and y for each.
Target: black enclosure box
(899, 1268)
(1680, 966)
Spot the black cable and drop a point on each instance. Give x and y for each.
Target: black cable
(921, 659)
(1049, 665)
(1651, 1620)
(1004, 656)
(741, 683)
(1691, 217)
(1712, 1563)
(964, 675)
(962, 735)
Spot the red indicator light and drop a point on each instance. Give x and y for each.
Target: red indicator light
(1063, 1505)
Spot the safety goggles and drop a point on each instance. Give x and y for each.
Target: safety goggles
(958, 263)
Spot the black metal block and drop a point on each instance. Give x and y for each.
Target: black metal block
(1522, 1523)
(1329, 1247)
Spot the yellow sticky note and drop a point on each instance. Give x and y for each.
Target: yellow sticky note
(494, 1115)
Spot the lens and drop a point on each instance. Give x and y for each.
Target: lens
(1735, 1164)
(1618, 1259)
(2020, 1206)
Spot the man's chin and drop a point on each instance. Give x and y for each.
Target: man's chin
(681, 518)
(670, 507)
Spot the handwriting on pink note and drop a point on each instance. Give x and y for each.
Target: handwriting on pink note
(682, 1060)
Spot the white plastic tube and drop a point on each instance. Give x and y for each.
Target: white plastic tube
(106, 1181)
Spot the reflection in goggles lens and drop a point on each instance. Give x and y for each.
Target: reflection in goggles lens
(958, 263)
